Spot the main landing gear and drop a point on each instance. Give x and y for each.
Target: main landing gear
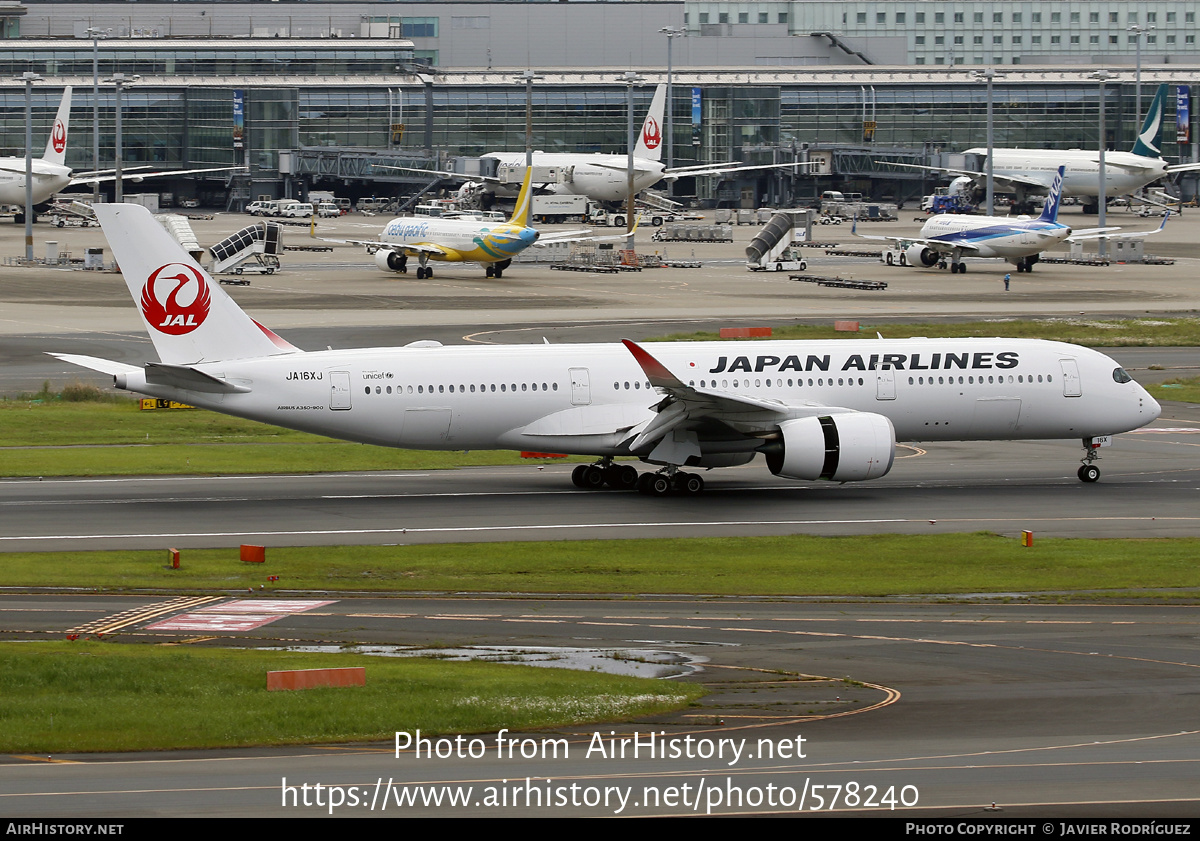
(424, 270)
(1088, 471)
(624, 477)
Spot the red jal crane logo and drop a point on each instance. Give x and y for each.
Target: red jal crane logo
(58, 137)
(172, 317)
(651, 136)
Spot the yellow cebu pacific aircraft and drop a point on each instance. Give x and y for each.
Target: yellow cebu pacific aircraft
(461, 240)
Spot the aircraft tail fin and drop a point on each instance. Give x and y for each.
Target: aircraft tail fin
(189, 317)
(1149, 140)
(521, 212)
(650, 141)
(1050, 211)
(56, 145)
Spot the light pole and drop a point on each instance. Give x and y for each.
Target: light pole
(1137, 31)
(672, 32)
(120, 81)
(989, 76)
(528, 78)
(29, 78)
(95, 35)
(1102, 76)
(630, 78)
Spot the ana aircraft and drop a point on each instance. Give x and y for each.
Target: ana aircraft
(815, 409)
(51, 175)
(462, 240)
(952, 236)
(1027, 172)
(600, 177)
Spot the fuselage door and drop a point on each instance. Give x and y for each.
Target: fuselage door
(1072, 385)
(581, 389)
(339, 390)
(885, 385)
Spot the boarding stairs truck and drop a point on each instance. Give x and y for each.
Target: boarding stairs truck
(772, 248)
(261, 243)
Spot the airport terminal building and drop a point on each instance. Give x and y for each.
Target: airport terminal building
(312, 95)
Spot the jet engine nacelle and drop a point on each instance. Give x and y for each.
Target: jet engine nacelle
(919, 255)
(388, 260)
(848, 447)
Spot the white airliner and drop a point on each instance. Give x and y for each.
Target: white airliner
(463, 240)
(1028, 172)
(815, 409)
(952, 236)
(600, 177)
(51, 175)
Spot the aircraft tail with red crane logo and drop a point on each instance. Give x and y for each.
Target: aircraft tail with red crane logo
(56, 145)
(189, 317)
(654, 131)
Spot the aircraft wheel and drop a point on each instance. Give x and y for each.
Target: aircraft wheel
(592, 477)
(621, 477)
(1089, 473)
(656, 484)
(688, 483)
(421, 273)
(498, 273)
(489, 271)
(577, 475)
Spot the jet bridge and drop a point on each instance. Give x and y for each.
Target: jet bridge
(260, 242)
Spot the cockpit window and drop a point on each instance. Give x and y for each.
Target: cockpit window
(1120, 376)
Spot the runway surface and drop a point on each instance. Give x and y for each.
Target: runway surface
(1046, 710)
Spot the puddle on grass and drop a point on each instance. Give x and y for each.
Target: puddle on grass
(634, 662)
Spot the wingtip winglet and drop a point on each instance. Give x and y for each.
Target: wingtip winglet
(655, 371)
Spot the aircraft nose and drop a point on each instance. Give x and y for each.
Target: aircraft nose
(1151, 406)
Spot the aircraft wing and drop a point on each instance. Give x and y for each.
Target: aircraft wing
(373, 245)
(1098, 233)
(941, 246)
(686, 407)
(139, 176)
(454, 176)
(724, 169)
(1013, 181)
(561, 237)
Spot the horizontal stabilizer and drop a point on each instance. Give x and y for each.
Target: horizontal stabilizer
(104, 366)
(190, 379)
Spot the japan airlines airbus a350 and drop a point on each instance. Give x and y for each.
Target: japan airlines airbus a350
(1020, 241)
(815, 409)
(51, 175)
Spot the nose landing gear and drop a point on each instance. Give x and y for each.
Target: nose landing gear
(1088, 471)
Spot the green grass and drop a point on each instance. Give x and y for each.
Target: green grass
(1091, 332)
(59, 697)
(54, 438)
(876, 565)
(1184, 390)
